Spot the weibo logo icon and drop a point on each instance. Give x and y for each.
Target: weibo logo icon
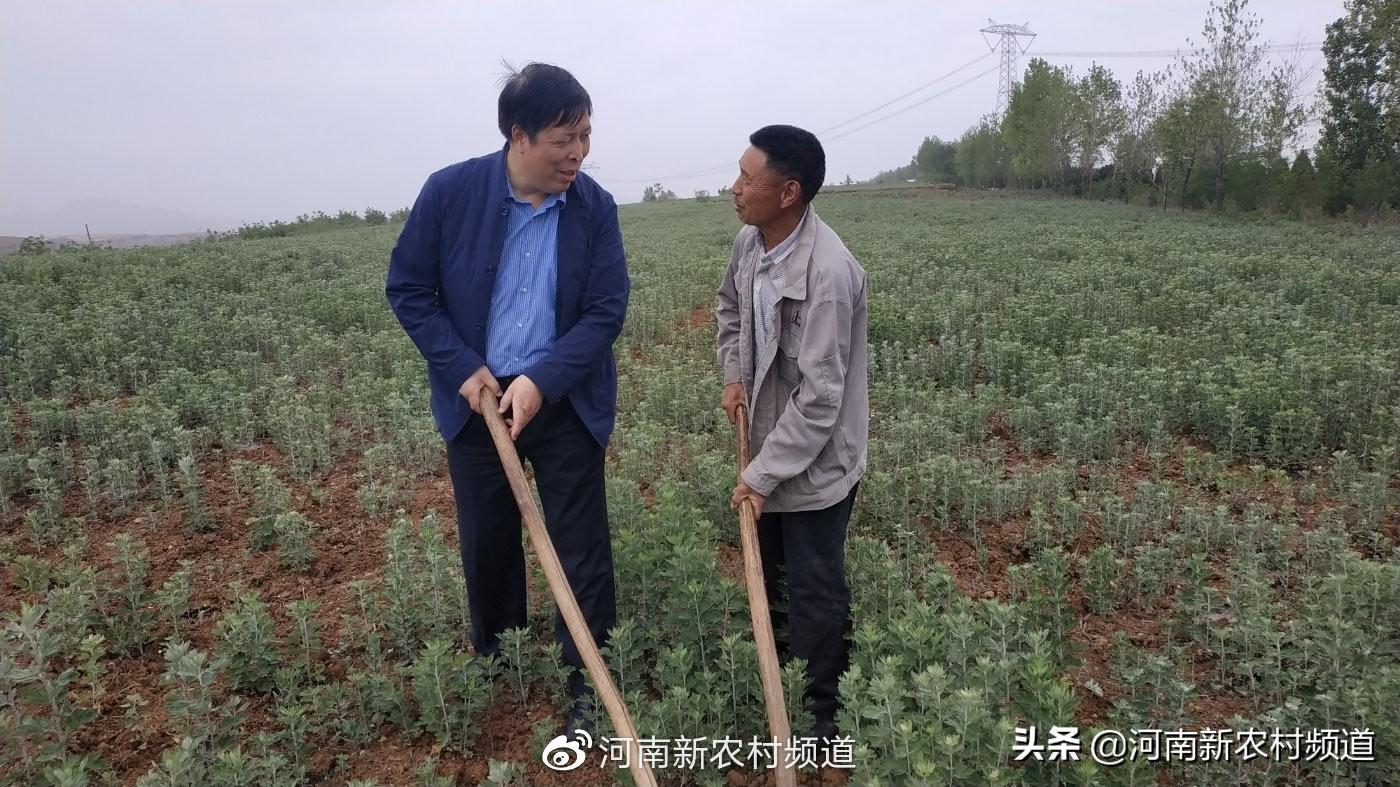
(567, 752)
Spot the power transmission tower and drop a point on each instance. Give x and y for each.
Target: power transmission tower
(1011, 49)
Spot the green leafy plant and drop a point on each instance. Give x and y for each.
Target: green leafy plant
(201, 720)
(197, 516)
(294, 534)
(248, 644)
(173, 598)
(450, 690)
(38, 692)
(132, 621)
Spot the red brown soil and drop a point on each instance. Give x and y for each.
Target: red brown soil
(699, 317)
(350, 547)
(1092, 639)
(731, 562)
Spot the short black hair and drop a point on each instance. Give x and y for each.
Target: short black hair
(793, 153)
(538, 97)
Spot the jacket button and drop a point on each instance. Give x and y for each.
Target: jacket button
(491, 270)
(505, 211)
(478, 326)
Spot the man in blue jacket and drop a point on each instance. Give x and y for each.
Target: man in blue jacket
(509, 275)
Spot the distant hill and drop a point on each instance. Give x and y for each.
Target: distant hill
(103, 215)
(9, 244)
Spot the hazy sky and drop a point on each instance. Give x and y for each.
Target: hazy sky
(177, 116)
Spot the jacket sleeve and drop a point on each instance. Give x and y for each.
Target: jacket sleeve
(604, 308)
(727, 321)
(809, 419)
(413, 287)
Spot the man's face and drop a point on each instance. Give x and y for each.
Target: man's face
(551, 161)
(760, 194)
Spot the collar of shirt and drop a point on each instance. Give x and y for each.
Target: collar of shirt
(549, 201)
(782, 250)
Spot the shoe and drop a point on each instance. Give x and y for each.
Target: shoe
(580, 716)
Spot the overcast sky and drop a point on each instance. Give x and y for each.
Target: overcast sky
(152, 117)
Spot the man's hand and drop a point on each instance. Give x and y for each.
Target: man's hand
(522, 400)
(471, 388)
(744, 491)
(733, 397)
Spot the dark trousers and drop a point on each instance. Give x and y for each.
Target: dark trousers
(804, 572)
(568, 468)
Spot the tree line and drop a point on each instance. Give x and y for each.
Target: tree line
(320, 221)
(305, 224)
(1216, 128)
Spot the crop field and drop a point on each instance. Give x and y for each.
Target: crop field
(1128, 470)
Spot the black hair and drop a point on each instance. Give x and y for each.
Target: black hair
(793, 153)
(540, 96)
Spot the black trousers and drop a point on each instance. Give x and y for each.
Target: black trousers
(568, 468)
(804, 572)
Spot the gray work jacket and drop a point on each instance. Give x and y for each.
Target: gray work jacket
(808, 401)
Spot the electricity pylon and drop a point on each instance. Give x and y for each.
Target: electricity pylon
(1011, 49)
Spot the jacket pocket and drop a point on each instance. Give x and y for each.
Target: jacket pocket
(789, 344)
(788, 370)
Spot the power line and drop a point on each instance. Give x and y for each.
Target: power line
(903, 96)
(1299, 47)
(730, 165)
(679, 175)
(1273, 48)
(919, 103)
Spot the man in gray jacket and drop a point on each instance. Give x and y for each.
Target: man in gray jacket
(791, 325)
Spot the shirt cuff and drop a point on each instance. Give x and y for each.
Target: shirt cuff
(757, 481)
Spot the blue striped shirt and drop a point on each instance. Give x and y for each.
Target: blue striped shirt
(520, 330)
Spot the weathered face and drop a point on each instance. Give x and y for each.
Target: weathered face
(551, 161)
(760, 194)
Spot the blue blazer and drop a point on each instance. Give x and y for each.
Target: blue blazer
(443, 269)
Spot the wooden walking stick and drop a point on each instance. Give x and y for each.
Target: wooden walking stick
(769, 671)
(562, 591)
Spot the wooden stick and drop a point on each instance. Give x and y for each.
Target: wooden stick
(563, 591)
(769, 672)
